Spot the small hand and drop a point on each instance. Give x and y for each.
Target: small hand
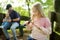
(9, 20)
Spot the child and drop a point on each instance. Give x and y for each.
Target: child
(5, 20)
(7, 17)
(40, 25)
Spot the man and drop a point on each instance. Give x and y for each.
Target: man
(13, 23)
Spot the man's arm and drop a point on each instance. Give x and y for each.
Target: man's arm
(17, 19)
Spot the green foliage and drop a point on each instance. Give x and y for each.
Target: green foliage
(22, 11)
(1, 9)
(47, 6)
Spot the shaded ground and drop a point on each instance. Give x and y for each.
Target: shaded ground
(26, 33)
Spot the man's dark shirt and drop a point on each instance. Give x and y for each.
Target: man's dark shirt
(13, 15)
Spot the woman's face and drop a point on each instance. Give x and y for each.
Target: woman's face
(34, 11)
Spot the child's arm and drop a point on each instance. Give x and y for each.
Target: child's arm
(4, 19)
(6, 16)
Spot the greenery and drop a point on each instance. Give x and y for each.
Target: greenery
(47, 5)
(23, 6)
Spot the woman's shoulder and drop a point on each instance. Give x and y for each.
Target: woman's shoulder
(45, 19)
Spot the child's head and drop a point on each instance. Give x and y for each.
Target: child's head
(37, 10)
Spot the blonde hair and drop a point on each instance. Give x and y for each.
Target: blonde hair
(38, 7)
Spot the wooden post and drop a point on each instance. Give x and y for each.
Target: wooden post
(56, 17)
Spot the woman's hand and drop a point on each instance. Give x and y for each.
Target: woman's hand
(28, 25)
(26, 22)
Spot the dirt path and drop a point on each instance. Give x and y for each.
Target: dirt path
(26, 33)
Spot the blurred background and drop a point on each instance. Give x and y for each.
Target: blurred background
(23, 7)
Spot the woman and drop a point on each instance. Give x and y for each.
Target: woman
(40, 25)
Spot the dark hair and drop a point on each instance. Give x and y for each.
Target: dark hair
(8, 6)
